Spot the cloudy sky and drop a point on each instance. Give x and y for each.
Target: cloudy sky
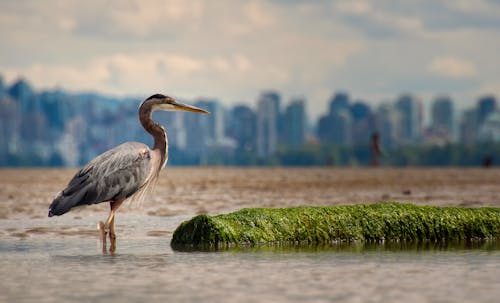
(232, 50)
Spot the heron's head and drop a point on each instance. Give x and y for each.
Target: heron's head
(167, 103)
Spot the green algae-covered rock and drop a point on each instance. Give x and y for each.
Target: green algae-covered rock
(364, 222)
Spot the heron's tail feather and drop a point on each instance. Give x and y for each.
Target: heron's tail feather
(64, 202)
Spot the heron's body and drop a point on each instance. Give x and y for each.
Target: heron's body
(123, 172)
(117, 174)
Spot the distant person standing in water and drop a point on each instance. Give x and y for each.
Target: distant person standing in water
(487, 161)
(375, 149)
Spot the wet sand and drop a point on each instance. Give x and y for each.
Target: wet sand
(27, 193)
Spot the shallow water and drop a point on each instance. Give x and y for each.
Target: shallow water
(44, 266)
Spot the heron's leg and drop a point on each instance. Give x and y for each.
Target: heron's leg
(110, 223)
(102, 229)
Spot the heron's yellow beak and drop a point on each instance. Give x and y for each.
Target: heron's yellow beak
(188, 108)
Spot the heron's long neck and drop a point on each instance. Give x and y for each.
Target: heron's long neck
(156, 130)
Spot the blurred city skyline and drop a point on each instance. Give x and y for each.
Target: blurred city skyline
(59, 128)
(232, 50)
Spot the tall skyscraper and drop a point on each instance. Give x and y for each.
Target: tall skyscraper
(56, 107)
(362, 123)
(9, 127)
(242, 127)
(336, 127)
(22, 92)
(490, 129)
(175, 126)
(486, 106)
(468, 126)
(294, 123)
(386, 121)
(410, 110)
(339, 102)
(267, 123)
(204, 131)
(443, 123)
(214, 122)
(3, 87)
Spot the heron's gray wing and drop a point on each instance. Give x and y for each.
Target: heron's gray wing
(115, 174)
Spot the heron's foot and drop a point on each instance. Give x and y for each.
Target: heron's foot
(102, 227)
(103, 231)
(112, 239)
(112, 236)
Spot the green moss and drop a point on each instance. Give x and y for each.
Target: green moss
(314, 225)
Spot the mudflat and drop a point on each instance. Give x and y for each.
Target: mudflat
(27, 193)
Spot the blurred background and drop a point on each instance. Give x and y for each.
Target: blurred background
(287, 82)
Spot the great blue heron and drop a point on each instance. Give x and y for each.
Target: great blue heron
(124, 172)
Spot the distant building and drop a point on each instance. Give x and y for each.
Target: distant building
(294, 123)
(268, 116)
(3, 88)
(410, 128)
(56, 107)
(336, 126)
(386, 121)
(196, 134)
(468, 126)
(489, 131)
(204, 131)
(443, 123)
(323, 129)
(242, 127)
(9, 128)
(486, 106)
(175, 127)
(214, 122)
(362, 123)
(339, 103)
(22, 92)
(472, 126)
(342, 124)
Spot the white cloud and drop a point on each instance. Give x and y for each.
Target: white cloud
(258, 14)
(353, 7)
(142, 18)
(492, 86)
(453, 67)
(377, 20)
(237, 63)
(123, 74)
(476, 6)
(117, 74)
